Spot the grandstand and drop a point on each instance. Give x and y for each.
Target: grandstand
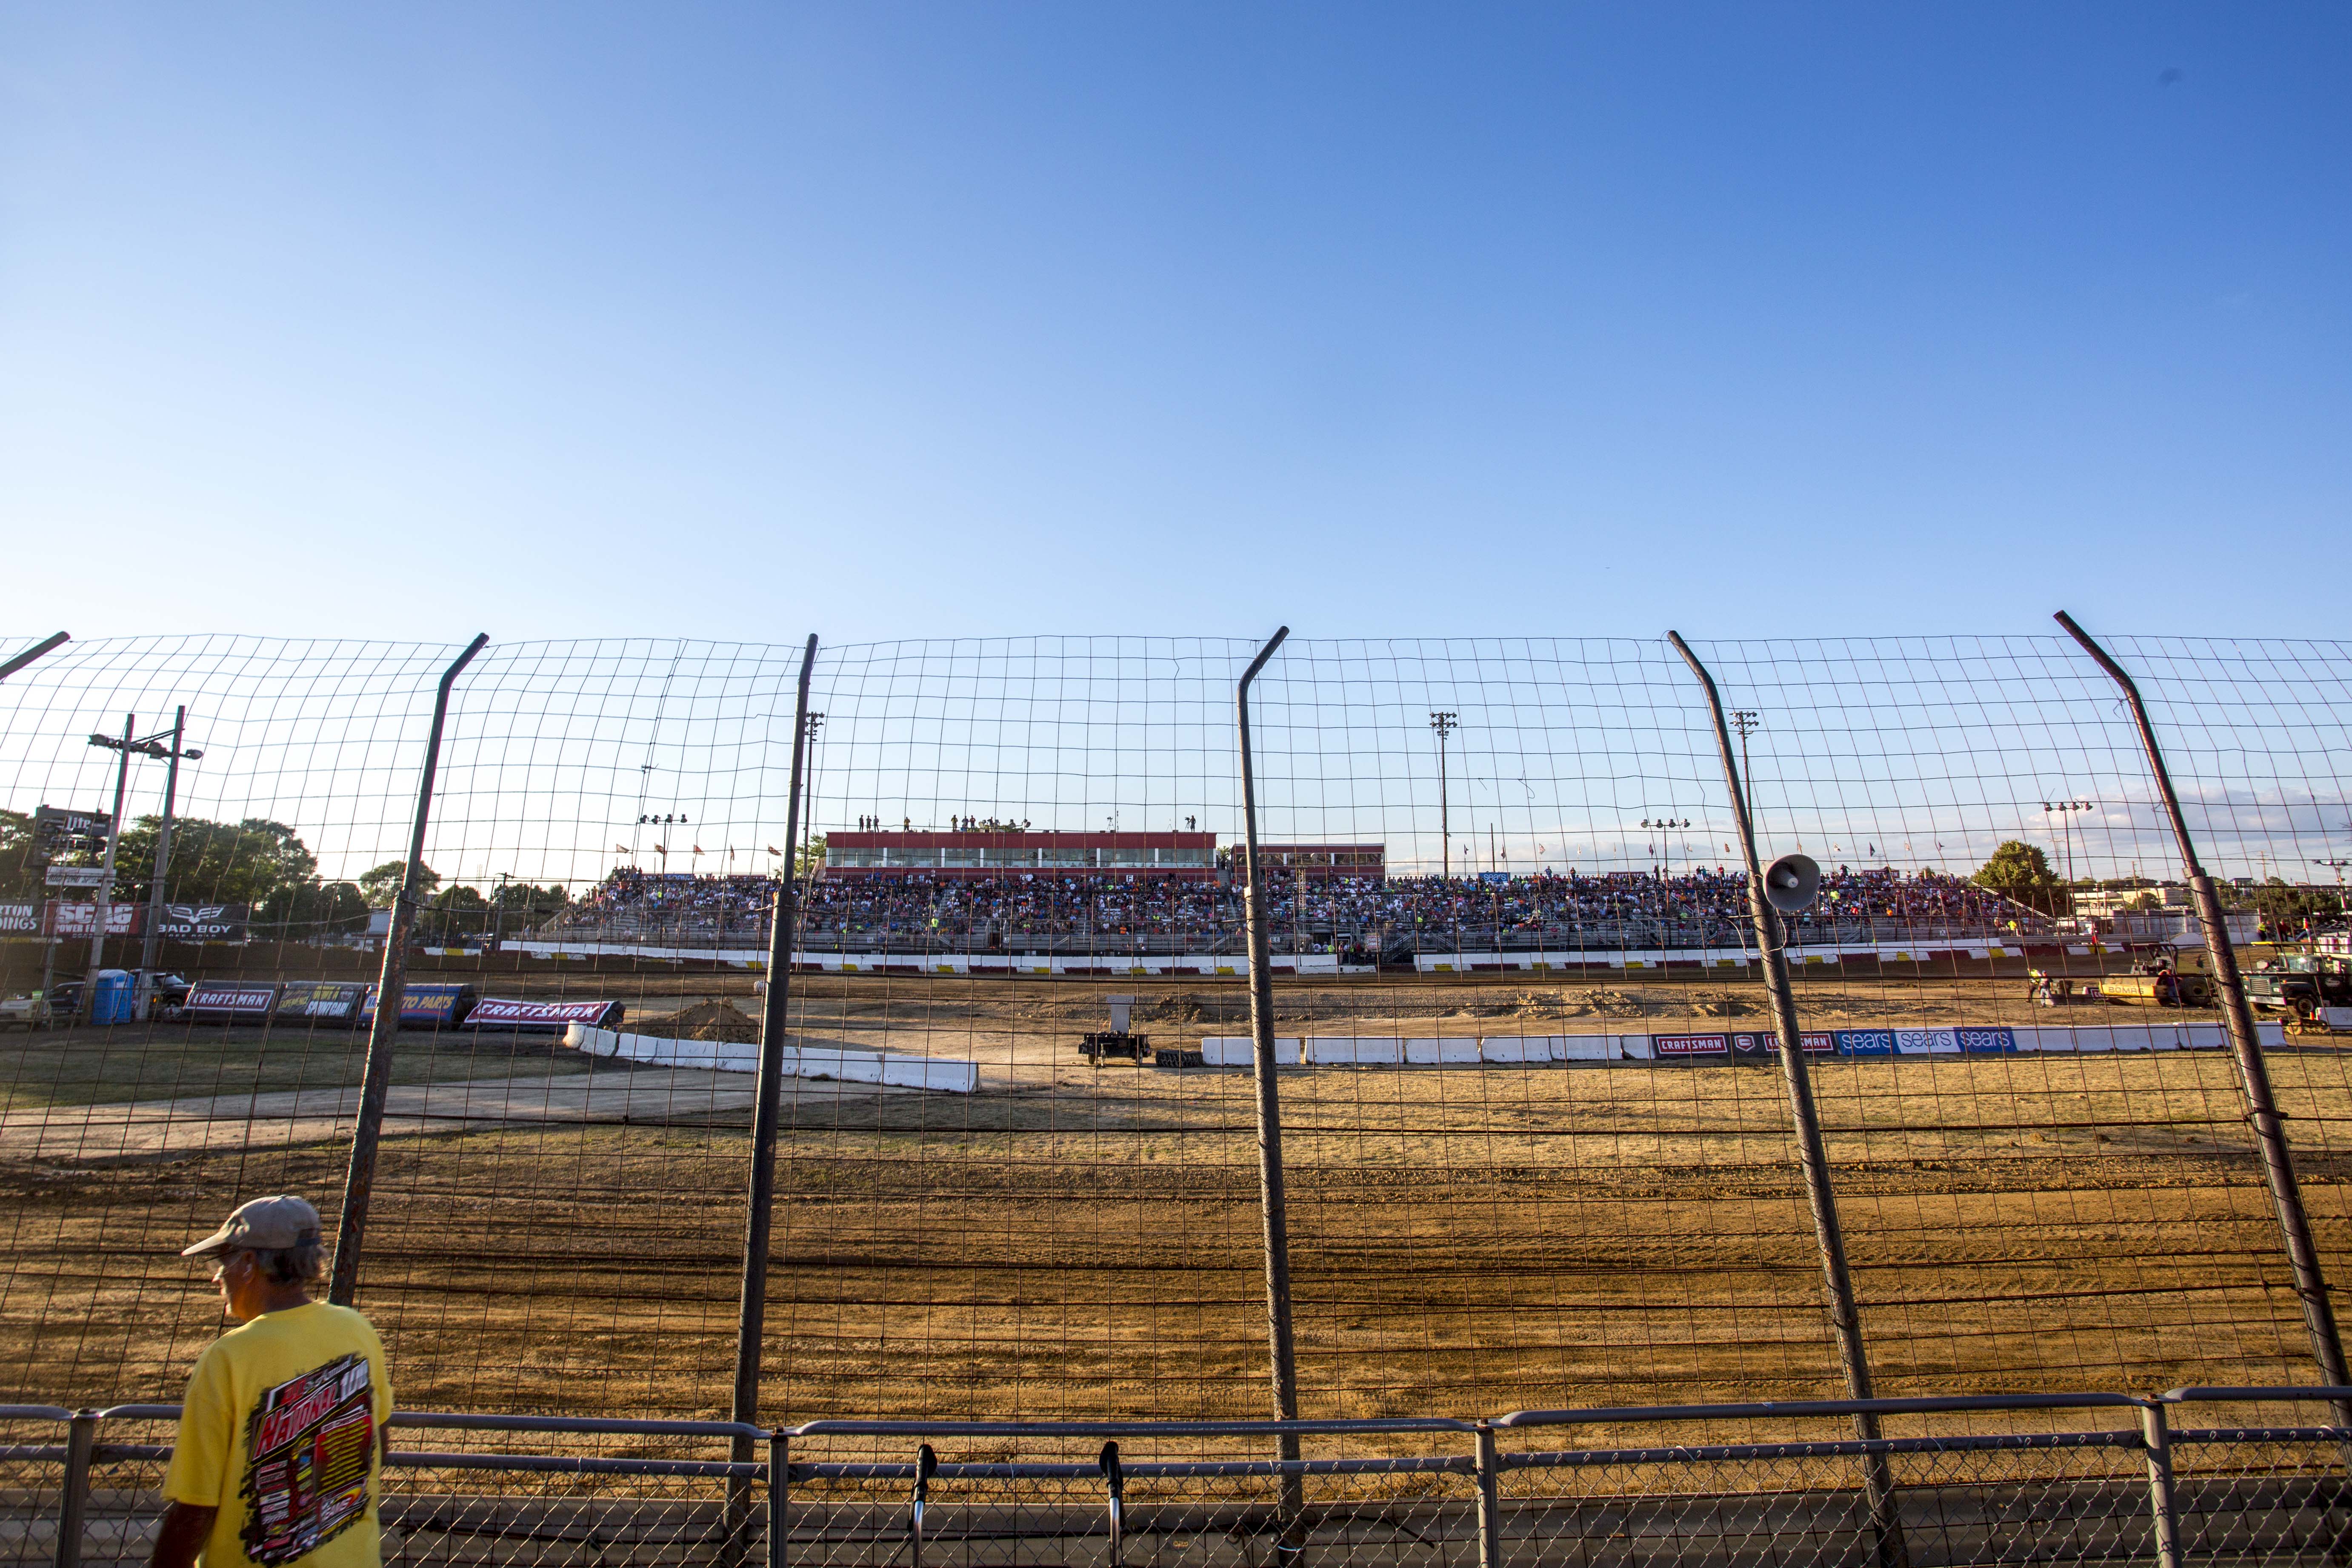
(976, 910)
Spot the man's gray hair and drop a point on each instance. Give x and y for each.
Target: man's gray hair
(304, 1263)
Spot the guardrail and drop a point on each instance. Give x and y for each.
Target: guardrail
(2192, 1475)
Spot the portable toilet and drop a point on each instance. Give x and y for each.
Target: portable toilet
(111, 999)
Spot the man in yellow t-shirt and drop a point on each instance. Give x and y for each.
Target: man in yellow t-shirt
(281, 1433)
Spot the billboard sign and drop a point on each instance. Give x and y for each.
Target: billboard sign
(81, 920)
(435, 1006)
(230, 1001)
(75, 877)
(1988, 1042)
(1756, 1043)
(203, 923)
(322, 1001)
(502, 1013)
(1866, 1043)
(59, 831)
(1684, 1047)
(20, 919)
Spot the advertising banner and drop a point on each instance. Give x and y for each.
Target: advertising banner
(439, 1006)
(203, 923)
(1925, 1042)
(20, 919)
(1865, 1042)
(81, 920)
(1683, 1047)
(322, 1001)
(230, 1001)
(1761, 1044)
(74, 877)
(500, 1013)
(1988, 1042)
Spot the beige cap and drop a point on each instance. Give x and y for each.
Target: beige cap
(263, 1225)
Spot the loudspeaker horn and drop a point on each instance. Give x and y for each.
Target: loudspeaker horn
(1791, 883)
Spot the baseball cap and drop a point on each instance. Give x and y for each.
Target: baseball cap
(263, 1225)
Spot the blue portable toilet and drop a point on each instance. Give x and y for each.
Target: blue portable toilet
(110, 1002)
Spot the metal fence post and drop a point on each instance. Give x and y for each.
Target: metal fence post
(2253, 1074)
(384, 1030)
(1271, 1201)
(81, 1437)
(1490, 1500)
(1115, 1491)
(751, 1324)
(55, 639)
(2156, 1431)
(927, 1464)
(780, 1495)
(1845, 1320)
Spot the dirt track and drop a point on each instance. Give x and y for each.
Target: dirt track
(1073, 1242)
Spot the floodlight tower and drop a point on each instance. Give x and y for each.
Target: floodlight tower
(1445, 724)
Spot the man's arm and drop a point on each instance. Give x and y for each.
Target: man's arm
(186, 1526)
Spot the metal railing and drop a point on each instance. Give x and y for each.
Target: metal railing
(2196, 1475)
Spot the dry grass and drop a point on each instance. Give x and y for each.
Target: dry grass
(1072, 1242)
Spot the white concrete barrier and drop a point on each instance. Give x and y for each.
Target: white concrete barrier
(1515, 1050)
(1355, 1050)
(1634, 1048)
(1587, 1048)
(1241, 1051)
(1441, 1053)
(939, 1073)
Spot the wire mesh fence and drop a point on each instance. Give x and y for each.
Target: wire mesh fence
(1535, 1151)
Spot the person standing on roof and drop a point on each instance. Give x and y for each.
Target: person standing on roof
(281, 1441)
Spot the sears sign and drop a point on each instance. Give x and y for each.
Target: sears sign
(203, 923)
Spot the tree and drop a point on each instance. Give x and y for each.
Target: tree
(248, 862)
(2284, 909)
(456, 910)
(523, 906)
(19, 877)
(380, 887)
(2021, 871)
(318, 909)
(810, 861)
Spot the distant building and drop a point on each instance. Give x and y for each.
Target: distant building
(1312, 861)
(1192, 855)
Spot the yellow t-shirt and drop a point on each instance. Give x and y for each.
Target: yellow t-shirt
(279, 1432)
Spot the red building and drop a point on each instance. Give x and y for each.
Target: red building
(1020, 854)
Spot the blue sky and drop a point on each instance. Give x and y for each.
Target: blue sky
(886, 320)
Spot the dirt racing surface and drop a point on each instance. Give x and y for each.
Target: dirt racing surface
(556, 1232)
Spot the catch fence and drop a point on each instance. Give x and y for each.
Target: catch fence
(1538, 1147)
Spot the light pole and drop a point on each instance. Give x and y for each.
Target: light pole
(1445, 724)
(146, 997)
(2066, 811)
(100, 911)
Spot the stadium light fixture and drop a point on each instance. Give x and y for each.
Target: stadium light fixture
(1445, 724)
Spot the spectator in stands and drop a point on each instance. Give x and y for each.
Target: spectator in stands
(281, 1432)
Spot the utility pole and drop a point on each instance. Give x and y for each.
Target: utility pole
(1445, 724)
(1745, 721)
(143, 1004)
(101, 911)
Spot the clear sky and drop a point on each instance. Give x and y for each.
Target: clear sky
(888, 320)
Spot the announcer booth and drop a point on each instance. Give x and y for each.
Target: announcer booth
(1192, 855)
(1315, 861)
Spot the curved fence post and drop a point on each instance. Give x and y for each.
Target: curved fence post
(2253, 1073)
(750, 1324)
(1273, 1207)
(384, 1030)
(1845, 1320)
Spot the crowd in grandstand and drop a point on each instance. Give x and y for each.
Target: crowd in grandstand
(1701, 908)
